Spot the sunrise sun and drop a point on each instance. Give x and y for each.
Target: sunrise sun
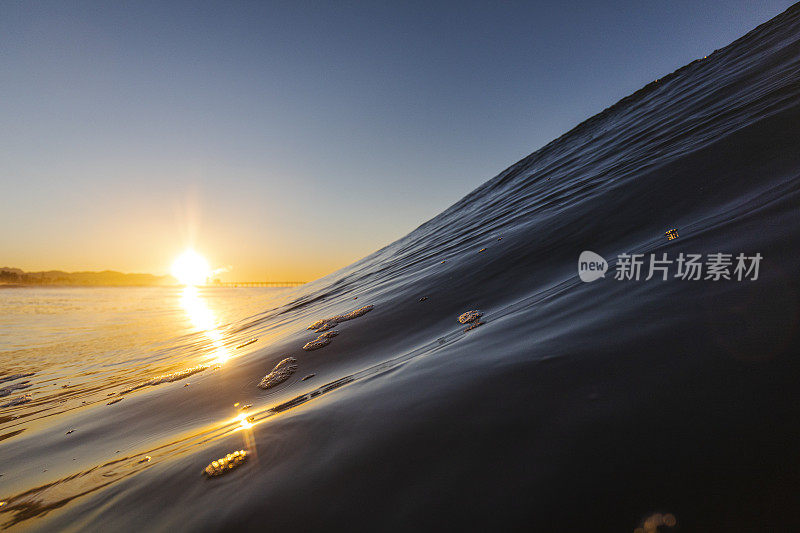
(191, 268)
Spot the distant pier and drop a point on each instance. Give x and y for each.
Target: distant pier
(229, 284)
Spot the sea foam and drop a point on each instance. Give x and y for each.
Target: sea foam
(323, 340)
(280, 373)
(330, 323)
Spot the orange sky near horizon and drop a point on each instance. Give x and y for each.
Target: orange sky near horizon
(254, 265)
(249, 247)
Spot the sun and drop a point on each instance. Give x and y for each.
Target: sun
(191, 268)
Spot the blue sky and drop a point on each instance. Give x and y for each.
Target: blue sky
(288, 139)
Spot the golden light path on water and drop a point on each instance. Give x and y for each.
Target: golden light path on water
(204, 320)
(246, 427)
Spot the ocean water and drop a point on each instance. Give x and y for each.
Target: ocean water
(67, 342)
(614, 405)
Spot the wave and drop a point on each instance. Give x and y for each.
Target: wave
(606, 406)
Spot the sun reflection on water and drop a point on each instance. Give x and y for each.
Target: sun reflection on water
(204, 320)
(245, 425)
(245, 422)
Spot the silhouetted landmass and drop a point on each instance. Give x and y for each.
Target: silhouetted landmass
(108, 278)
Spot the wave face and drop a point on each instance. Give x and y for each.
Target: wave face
(573, 406)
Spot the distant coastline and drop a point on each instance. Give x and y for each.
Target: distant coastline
(15, 277)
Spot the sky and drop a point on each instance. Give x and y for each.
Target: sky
(285, 140)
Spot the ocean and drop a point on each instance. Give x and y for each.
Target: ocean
(662, 394)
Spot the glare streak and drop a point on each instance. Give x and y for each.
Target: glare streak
(204, 320)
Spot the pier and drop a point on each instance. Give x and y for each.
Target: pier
(229, 284)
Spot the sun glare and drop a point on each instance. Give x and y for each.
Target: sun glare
(191, 268)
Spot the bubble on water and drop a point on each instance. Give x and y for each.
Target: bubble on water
(330, 323)
(355, 314)
(323, 325)
(279, 374)
(225, 464)
(652, 523)
(323, 340)
(472, 318)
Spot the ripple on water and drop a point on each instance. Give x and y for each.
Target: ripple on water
(3, 379)
(279, 374)
(167, 378)
(248, 343)
(18, 401)
(225, 464)
(8, 389)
